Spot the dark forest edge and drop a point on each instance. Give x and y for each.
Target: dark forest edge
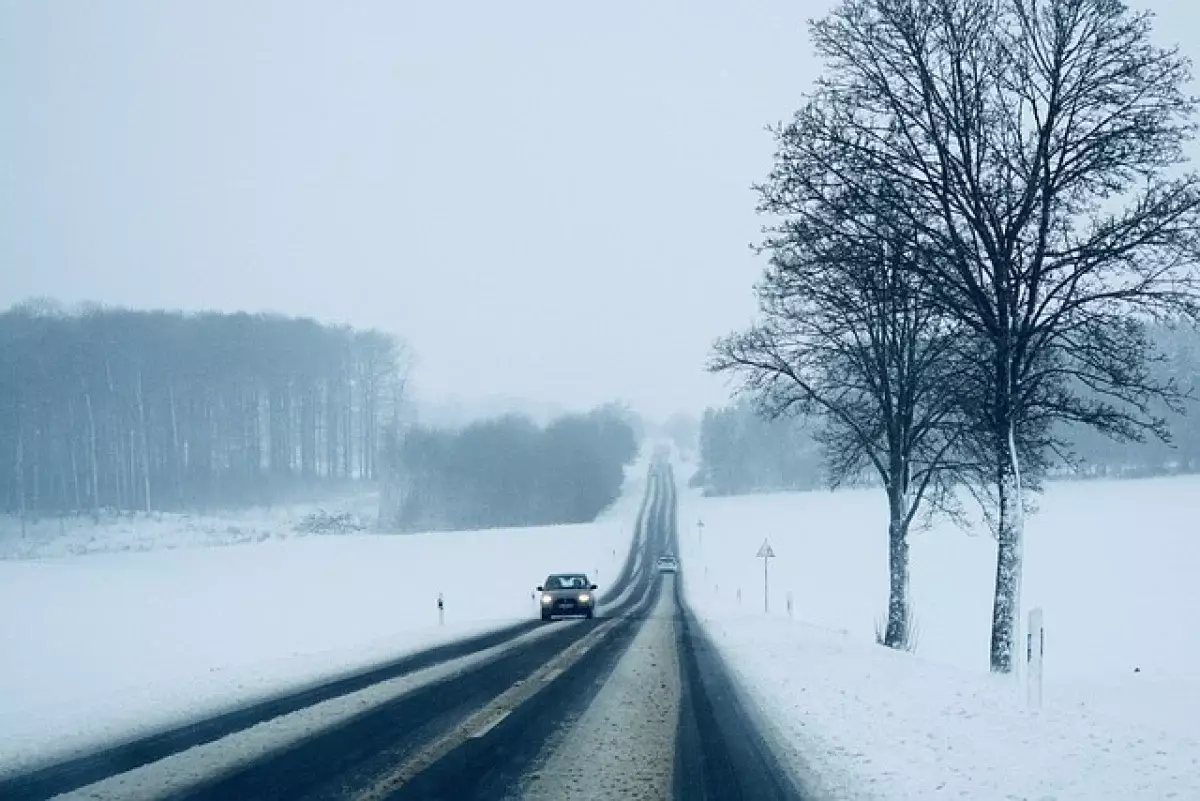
(743, 452)
(507, 471)
(105, 409)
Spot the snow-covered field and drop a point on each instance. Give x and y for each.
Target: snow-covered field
(107, 645)
(119, 533)
(1114, 566)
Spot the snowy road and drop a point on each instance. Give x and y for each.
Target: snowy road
(634, 704)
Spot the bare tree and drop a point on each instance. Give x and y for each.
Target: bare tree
(1035, 145)
(848, 337)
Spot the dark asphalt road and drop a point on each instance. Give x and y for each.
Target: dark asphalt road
(349, 761)
(478, 735)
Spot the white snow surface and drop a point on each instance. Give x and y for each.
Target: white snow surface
(180, 772)
(99, 648)
(1113, 565)
(122, 532)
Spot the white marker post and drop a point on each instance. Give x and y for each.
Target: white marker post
(441, 610)
(766, 553)
(1035, 650)
(700, 531)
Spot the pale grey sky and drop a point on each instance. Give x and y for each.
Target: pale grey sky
(547, 199)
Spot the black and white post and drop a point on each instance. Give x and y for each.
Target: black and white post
(441, 610)
(1035, 650)
(766, 553)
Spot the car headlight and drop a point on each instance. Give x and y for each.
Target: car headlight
(584, 598)
(546, 598)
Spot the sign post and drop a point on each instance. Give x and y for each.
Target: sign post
(766, 553)
(1035, 649)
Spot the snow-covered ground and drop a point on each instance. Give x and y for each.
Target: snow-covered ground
(155, 531)
(1114, 566)
(104, 646)
(180, 772)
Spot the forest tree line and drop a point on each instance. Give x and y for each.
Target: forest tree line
(111, 409)
(507, 471)
(743, 451)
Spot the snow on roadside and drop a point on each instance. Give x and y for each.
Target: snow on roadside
(868, 723)
(182, 771)
(155, 531)
(107, 646)
(863, 722)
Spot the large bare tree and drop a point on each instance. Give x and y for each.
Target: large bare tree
(1036, 145)
(848, 337)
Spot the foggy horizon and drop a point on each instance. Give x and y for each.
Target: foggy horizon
(544, 202)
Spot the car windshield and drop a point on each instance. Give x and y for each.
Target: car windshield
(574, 582)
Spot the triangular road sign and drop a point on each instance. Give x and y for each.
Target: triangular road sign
(765, 550)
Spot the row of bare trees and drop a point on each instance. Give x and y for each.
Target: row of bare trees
(131, 410)
(742, 451)
(974, 218)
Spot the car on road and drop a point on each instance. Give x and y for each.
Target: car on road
(567, 595)
(667, 563)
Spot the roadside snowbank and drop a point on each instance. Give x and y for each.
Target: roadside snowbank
(1112, 563)
(103, 647)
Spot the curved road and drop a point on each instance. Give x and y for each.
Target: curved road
(633, 704)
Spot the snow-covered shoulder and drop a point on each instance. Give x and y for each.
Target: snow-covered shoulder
(1110, 563)
(861, 722)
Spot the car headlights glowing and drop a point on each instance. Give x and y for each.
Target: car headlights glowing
(584, 598)
(546, 598)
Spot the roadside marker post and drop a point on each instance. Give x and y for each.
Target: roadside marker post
(1035, 650)
(789, 603)
(441, 610)
(766, 553)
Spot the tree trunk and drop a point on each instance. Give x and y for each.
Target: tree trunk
(94, 464)
(176, 455)
(133, 472)
(896, 634)
(1006, 605)
(19, 472)
(71, 443)
(37, 473)
(145, 443)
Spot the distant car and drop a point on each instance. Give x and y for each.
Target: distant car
(568, 595)
(668, 564)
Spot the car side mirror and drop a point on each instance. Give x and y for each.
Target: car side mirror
(594, 587)
(539, 588)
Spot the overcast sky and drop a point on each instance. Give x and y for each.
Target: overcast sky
(546, 199)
